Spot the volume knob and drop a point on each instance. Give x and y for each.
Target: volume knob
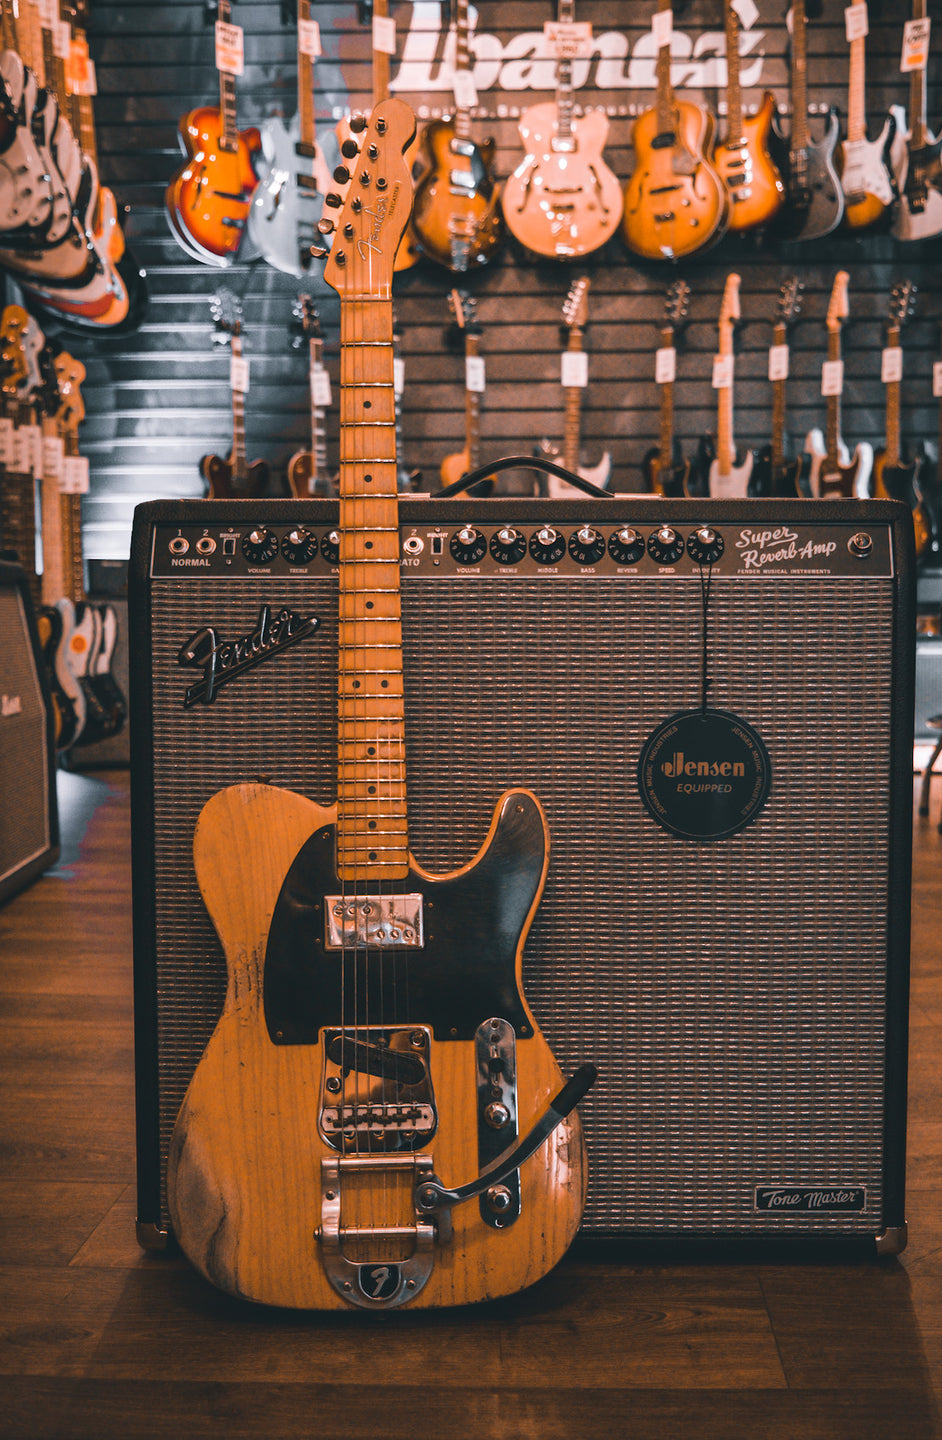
(468, 545)
(260, 545)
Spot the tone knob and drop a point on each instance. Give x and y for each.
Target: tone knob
(468, 545)
(508, 546)
(299, 546)
(330, 547)
(586, 545)
(705, 545)
(547, 545)
(665, 545)
(260, 545)
(626, 545)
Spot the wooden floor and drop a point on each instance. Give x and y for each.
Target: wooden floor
(98, 1339)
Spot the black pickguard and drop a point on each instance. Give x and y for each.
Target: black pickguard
(464, 973)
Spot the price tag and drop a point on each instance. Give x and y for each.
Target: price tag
(320, 387)
(891, 364)
(61, 39)
(399, 376)
(74, 479)
(23, 462)
(7, 443)
(915, 45)
(568, 39)
(937, 379)
(474, 373)
(722, 372)
(384, 34)
(662, 28)
(575, 369)
(856, 21)
(309, 38)
(778, 362)
(48, 13)
(80, 71)
(665, 365)
(230, 52)
(832, 377)
(239, 374)
(464, 89)
(748, 12)
(53, 457)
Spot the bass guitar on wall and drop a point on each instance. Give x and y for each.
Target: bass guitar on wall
(327, 1154)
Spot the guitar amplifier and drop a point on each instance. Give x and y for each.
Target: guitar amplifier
(29, 817)
(713, 701)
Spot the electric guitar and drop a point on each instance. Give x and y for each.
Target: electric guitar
(675, 202)
(461, 462)
(919, 176)
(326, 1150)
(575, 317)
(307, 469)
(931, 478)
(232, 477)
(815, 200)
(775, 475)
(833, 473)
(895, 477)
(294, 178)
(730, 474)
(457, 215)
(209, 198)
(742, 160)
(866, 166)
(562, 200)
(666, 472)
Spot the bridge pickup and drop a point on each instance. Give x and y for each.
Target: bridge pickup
(382, 921)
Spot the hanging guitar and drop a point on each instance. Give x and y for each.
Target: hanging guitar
(456, 215)
(464, 309)
(562, 200)
(666, 472)
(834, 472)
(867, 166)
(327, 1154)
(574, 378)
(675, 202)
(774, 475)
(208, 200)
(894, 476)
(919, 175)
(743, 160)
(815, 200)
(730, 473)
(233, 477)
(307, 469)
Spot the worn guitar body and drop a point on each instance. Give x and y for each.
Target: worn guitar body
(456, 212)
(867, 177)
(208, 200)
(672, 481)
(749, 173)
(815, 199)
(225, 484)
(675, 203)
(284, 211)
(251, 1206)
(55, 623)
(562, 200)
(919, 213)
(734, 484)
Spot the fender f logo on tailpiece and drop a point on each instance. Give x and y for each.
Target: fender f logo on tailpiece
(225, 660)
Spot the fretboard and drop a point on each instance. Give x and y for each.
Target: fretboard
(779, 337)
(573, 409)
(734, 130)
(892, 446)
(462, 62)
(305, 85)
(856, 92)
(666, 448)
(725, 447)
(834, 405)
(666, 118)
(229, 138)
(472, 405)
(564, 81)
(917, 93)
(238, 418)
(799, 132)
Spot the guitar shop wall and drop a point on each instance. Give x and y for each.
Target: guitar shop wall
(159, 398)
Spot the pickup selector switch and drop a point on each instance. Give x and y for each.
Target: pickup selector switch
(299, 546)
(586, 546)
(705, 545)
(260, 545)
(547, 545)
(508, 546)
(626, 545)
(330, 547)
(665, 545)
(468, 545)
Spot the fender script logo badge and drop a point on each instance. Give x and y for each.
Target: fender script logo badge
(224, 660)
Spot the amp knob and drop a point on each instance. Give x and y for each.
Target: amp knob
(586, 546)
(508, 546)
(260, 545)
(330, 547)
(468, 545)
(705, 545)
(626, 545)
(299, 546)
(665, 545)
(547, 545)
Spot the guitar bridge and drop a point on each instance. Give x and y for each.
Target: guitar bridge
(377, 1266)
(376, 1090)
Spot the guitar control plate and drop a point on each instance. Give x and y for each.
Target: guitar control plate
(495, 1051)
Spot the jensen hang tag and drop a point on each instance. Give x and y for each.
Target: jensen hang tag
(722, 372)
(384, 34)
(856, 22)
(891, 364)
(778, 362)
(230, 51)
(915, 45)
(474, 377)
(665, 365)
(309, 38)
(320, 387)
(575, 369)
(704, 774)
(239, 374)
(832, 377)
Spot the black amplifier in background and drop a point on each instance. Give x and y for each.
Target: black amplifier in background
(743, 993)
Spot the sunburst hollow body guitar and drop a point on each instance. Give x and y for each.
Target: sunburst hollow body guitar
(330, 1148)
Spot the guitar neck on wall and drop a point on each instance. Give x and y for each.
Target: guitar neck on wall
(233, 477)
(729, 476)
(464, 309)
(894, 476)
(307, 469)
(743, 161)
(776, 475)
(834, 473)
(575, 379)
(866, 166)
(666, 472)
(815, 199)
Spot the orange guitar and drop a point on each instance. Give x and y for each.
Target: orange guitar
(208, 199)
(743, 161)
(675, 202)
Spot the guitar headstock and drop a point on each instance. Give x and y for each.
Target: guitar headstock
(373, 216)
(789, 300)
(729, 308)
(576, 305)
(307, 322)
(464, 308)
(676, 303)
(837, 305)
(902, 304)
(226, 310)
(14, 367)
(70, 411)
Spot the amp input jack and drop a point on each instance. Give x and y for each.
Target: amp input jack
(206, 545)
(179, 545)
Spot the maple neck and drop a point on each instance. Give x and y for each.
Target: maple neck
(779, 337)
(892, 432)
(238, 416)
(229, 137)
(666, 449)
(462, 121)
(63, 564)
(666, 109)
(82, 108)
(472, 405)
(29, 39)
(564, 81)
(734, 126)
(834, 403)
(725, 446)
(856, 92)
(799, 87)
(380, 69)
(917, 93)
(305, 83)
(372, 839)
(318, 431)
(572, 429)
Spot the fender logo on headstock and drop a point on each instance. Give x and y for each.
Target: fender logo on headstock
(224, 660)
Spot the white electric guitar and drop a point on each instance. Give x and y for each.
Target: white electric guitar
(729, 475)
(574, 377)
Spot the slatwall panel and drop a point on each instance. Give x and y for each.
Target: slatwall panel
(159, 399)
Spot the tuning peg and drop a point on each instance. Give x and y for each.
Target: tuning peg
(341, 174)
(325, 226)
(333, 200)
(350, 149)
(319, 251)
(358, 124)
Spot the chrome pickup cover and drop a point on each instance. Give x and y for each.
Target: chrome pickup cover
(381, 920)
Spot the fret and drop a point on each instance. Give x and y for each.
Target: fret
(856, 97)
(833, 406)
(666, 109)
(734, 120)
(462, 120)
(799, 131)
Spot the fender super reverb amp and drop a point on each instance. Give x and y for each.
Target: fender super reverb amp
(712, 700)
